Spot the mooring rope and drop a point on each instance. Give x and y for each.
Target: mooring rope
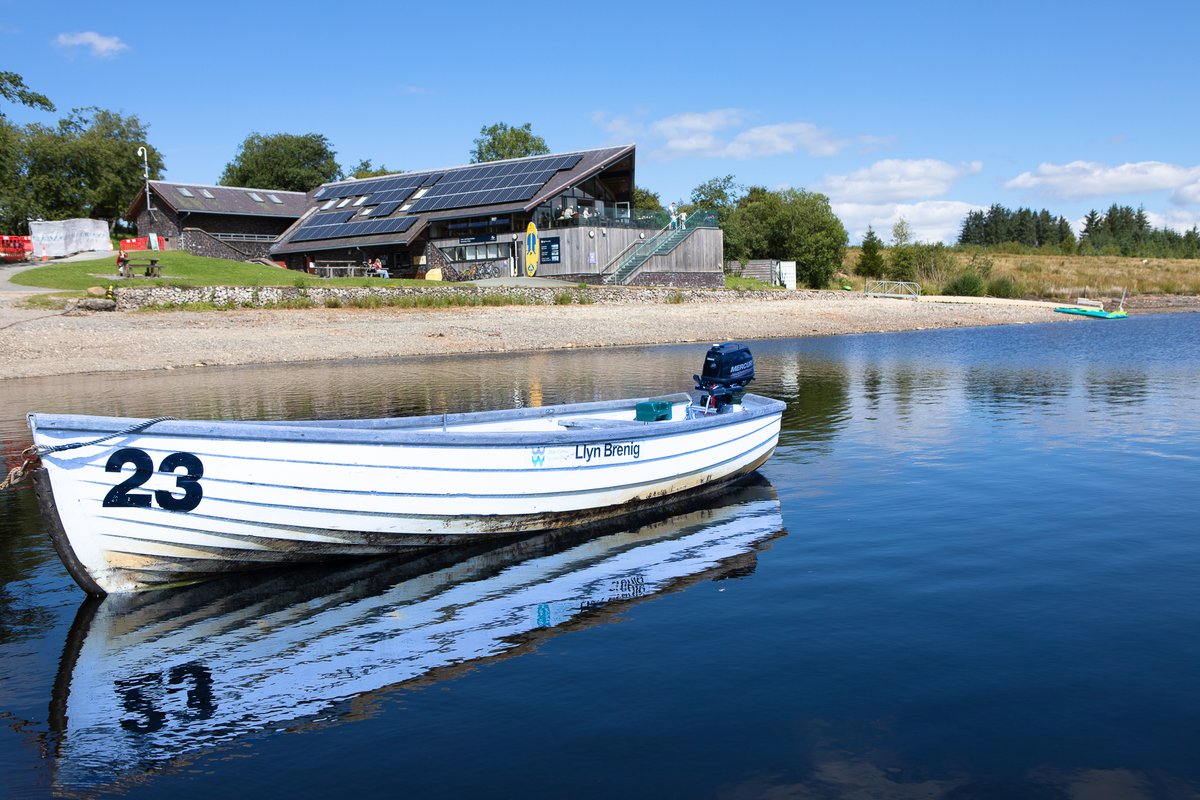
(33, 454)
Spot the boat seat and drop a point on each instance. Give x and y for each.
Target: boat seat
(595, 423)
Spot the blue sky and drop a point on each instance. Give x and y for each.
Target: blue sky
(921, 111)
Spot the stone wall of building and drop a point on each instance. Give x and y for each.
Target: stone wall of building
(201, 243)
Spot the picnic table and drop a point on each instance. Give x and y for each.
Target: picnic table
(151, 265)
(330, 271)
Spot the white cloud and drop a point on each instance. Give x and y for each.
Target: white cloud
(784, 139)
(1181, 220)
(1090, 179)
(1187, 195)
(929, 221)
(101, 46)
(893, 180)
(715, 134)
(695, 134)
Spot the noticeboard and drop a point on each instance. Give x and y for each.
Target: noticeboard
(550, 252)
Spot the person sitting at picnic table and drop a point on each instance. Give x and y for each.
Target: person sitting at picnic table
(378, 268)
(122, 264)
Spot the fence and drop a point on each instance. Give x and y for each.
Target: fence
(901, 289)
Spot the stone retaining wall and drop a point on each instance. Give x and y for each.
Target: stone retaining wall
(202, 243)
(130, 299)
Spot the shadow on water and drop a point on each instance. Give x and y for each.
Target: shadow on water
(148, 679)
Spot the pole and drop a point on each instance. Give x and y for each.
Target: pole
(146, 178)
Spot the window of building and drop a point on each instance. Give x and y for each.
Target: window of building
(255, 197)
(183, 190)
(361, 200)
(274, 199)
(344, 203)
(207, 194)
(328, 204)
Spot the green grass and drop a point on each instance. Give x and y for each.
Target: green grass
(187, 271)
(749, 284)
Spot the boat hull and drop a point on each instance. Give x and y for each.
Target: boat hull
(185, 500)
(1093, 312)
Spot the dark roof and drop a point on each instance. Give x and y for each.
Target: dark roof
(200, 198)
(398, 207)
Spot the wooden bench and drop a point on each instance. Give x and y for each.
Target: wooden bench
(151, 265)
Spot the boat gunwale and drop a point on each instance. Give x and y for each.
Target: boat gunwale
(400, 430)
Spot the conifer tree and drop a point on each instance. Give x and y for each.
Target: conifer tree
(870, 260)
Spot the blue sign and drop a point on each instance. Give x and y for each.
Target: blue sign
(550, 253)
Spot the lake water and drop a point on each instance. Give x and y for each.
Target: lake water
(970, 570)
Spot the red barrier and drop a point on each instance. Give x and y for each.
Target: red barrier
(136, 244)
(15, 248)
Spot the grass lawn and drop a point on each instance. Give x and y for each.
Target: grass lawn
(748, 284)
(187, 271)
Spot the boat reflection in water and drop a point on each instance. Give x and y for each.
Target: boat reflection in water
(148, 678)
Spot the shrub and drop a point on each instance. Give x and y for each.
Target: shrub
(677, 297)
(366, 301)
(333, 301)
(965, 284)
(1003, 286)
(563, 298)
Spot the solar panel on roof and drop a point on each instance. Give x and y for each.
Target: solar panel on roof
(384, 209)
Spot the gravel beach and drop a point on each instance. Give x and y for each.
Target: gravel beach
(36, 342)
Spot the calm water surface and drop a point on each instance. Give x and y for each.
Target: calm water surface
(970, 571)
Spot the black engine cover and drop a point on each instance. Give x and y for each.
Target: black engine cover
(727, 366)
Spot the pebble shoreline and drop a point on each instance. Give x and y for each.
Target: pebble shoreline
(37, 343)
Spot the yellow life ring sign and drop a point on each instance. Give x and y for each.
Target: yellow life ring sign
(531, 250)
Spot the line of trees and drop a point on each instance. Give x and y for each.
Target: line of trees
(999, 225)
(1125, 232)
(1119, 231)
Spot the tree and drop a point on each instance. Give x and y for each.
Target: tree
(792, 225)
(870, 260)
(901, 233)
(972, 231)
(14, 90)
(499, 142)
(644, 198)
(716, 194)
(283, 161)
(85, 166)
(113, 167)
(364, 169)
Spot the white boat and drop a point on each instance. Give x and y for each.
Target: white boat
(133, 504)
(152, 679)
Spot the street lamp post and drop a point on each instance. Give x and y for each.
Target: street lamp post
(146, 177)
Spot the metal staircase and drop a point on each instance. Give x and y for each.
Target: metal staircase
(628, 262)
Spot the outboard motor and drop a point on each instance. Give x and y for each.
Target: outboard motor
(727, 369)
